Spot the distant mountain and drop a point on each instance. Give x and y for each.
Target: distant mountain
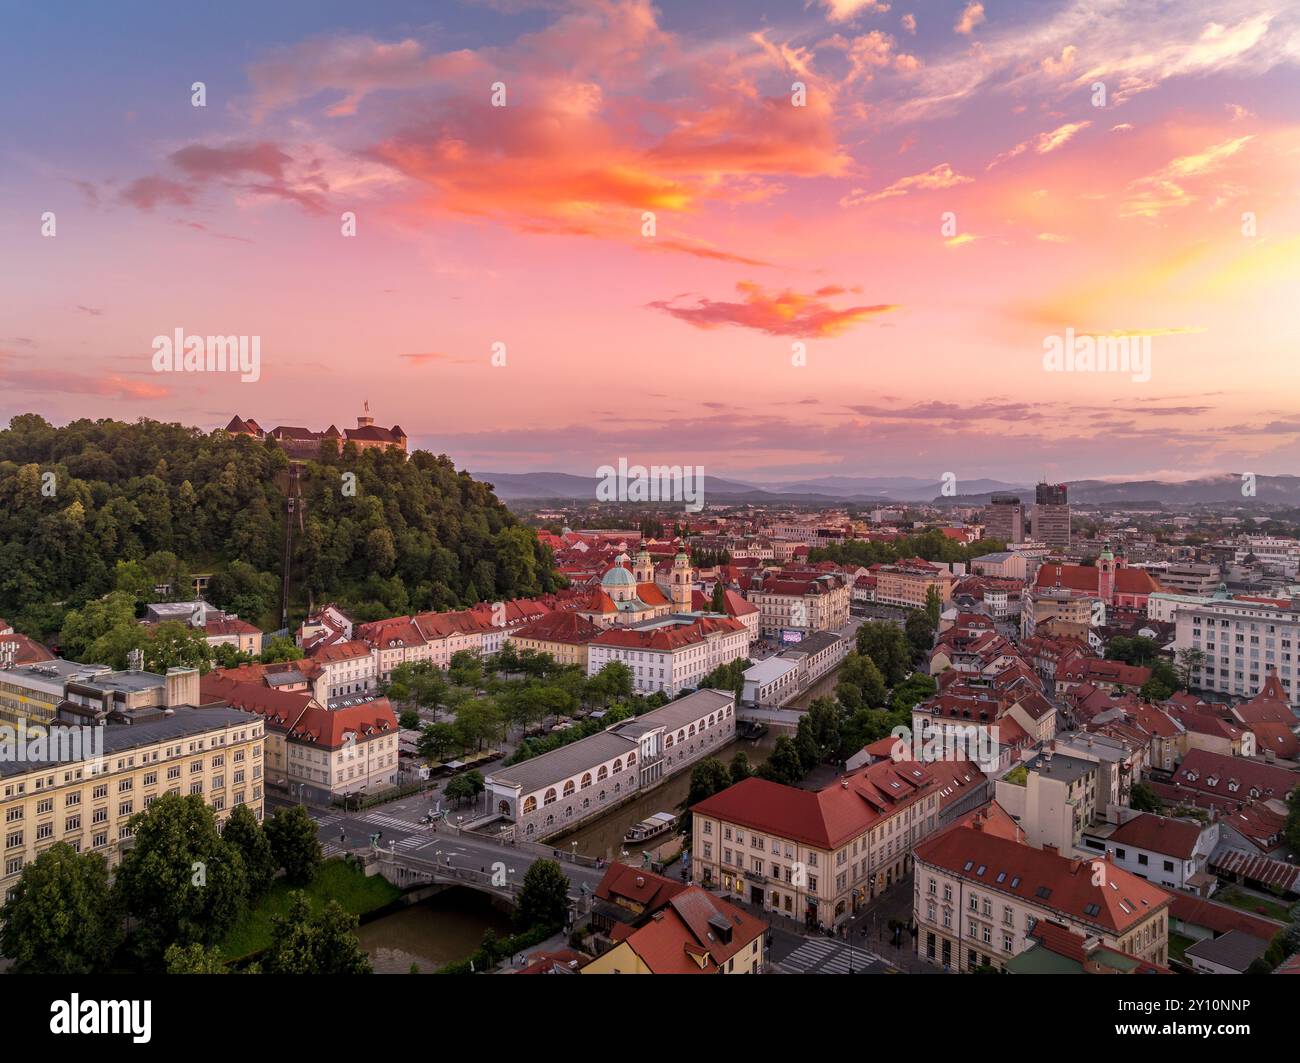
(839, 490)
(894, 488)
(559, 486)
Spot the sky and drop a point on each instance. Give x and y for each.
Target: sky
(776, 239)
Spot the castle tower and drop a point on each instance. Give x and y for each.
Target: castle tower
(365, 420)
(681, 584)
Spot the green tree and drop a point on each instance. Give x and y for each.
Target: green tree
(784, 765)
(708, 777)
(247, 836)
(324, 942)
(193, 959)
(739, 768)
(180, 882)
(61, 918)
(920, 632)
(887, 646)
(1143, 798)
(543, 898)
(294, 844)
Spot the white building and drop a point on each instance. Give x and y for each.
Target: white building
(671, 653)
(1242, 641)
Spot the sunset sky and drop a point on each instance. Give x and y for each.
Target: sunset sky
(775, 224)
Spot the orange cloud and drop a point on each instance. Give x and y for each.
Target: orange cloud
(786, 313)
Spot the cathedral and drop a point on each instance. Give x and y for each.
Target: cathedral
(628, 593)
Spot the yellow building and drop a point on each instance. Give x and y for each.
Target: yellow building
(979, 890)
(87, 800)
(694, 933)
(565, 634)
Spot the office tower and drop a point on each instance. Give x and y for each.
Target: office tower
(1052, 516)
(1004, 519)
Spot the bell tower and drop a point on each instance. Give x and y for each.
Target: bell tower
(643, 567)
(681, 584)
(1106, 576)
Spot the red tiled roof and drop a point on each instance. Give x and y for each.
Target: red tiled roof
(1197, 911)
(341, 651)
(1159, 834)
(824, 818)
(668, 637)
(564, 626)
(644, 888)
(1121, 901)
(680, 940)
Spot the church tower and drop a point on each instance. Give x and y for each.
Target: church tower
(681, 584)
(1106, 576)
(644, 568)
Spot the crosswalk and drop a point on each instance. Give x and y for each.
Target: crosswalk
(817, 956)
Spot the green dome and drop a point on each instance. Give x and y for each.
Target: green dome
(618, 576)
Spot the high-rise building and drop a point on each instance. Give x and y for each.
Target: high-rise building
(1052, 515)
(1004, 519)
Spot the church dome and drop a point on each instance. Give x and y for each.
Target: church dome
(617, 576)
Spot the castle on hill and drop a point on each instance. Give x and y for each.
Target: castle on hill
(305, 443)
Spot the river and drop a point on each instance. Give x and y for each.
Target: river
(604, 836)
(443, 929)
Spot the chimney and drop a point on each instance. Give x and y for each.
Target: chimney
(181, 687)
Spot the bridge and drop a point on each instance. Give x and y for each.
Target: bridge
(495, 875)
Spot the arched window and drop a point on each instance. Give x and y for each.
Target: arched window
(549, 798)
(618, 765)
(631, 759)
(569, 787)
(529, 829)
(504, 808)
(586, 780)
(690, 731)
(681, 736)
(550, 820)
(602, 774)
(530, 804)
(710, 724)
(668, 742)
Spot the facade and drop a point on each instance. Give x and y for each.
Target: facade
(314, 751)
(215, 752)
(557, 790)
(1242, 642)
(1004, 518)
(771, 683)
(801, 603)
(1052, 515)
(980, 891)
(1173, 853)
(564, 634)
(815, 655)
(673, 653)
(820, 855)
(908, 584)
(346, 668)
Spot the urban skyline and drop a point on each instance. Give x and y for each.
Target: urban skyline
(945, 201)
